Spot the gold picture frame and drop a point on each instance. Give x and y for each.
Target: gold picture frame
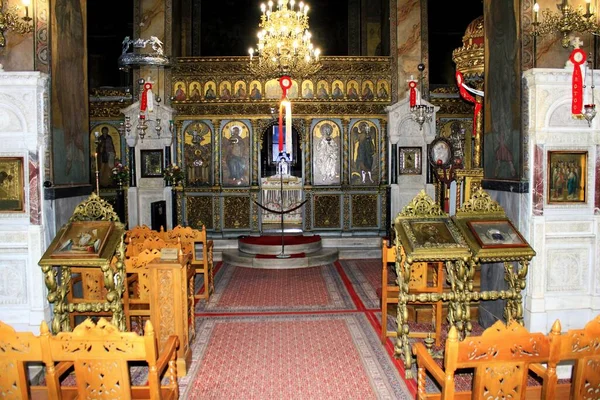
(82, 239)
(12, 184)
(431, 233)
(496, 233)
(152, 163)
(567, 177)
(409, 159)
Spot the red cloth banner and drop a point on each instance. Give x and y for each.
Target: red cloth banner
(286, 83)
(460, 80)
(578, 58)
(144, 99)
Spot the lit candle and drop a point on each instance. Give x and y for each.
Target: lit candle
(96, 159)
(280, 138)
(251, 51)
(270, 5)
(588, 7)
(288, 127)
(536, 10)
(263, 8)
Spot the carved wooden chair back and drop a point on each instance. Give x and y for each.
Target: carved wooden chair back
(425, 278)
(500, 358)
(101, 355)
(137, 296)
(583, 347)
(16, 350)
(135, 267)
(139, 234)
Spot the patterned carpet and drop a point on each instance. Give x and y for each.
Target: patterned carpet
(239, 289)
(291, 357)
(308, 333)
(365, 277)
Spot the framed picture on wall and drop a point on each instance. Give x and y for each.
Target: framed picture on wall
(152, 163)
(409, 159)
(12, 186)
(566, 177)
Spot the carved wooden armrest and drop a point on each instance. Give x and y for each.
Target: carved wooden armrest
(62, 367)
(168, 350)
(425, 360)
(538, 369)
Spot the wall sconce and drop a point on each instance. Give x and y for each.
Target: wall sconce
(10, 20)
(567, 20)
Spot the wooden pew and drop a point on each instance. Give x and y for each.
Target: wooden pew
(202, 256)
(500, 359)
(101, 355)
(193, 239)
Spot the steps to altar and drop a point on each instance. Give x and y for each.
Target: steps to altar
(262, 251)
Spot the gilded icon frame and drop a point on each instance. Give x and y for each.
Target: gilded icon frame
(567, 177)
(152, 163)
(65, 246)
(409, 161)
(496, 233)
(12, 184)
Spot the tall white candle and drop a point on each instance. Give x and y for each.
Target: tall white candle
(288, 127)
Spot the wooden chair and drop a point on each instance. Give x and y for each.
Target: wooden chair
(500, 359)
(581, 346)
(17, 349)
(421, 282)
(101, 356)
(202, 257)
(137, 296)
(139, 233)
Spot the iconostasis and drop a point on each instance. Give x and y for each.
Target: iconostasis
(227, 136)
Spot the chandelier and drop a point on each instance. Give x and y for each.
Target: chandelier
(420, 112)
(284, 46)
(567, 20)
(10, 20)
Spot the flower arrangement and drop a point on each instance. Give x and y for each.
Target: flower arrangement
(173, 174)
(120, 173)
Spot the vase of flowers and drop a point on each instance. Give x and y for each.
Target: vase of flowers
(120, 174)
(173, 175)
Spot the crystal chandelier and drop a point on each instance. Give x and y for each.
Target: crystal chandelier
(284, 46)
(10, 19)
(567, 20)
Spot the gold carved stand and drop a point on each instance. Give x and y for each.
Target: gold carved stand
(475, 219)
(424, 233)
(106, 267)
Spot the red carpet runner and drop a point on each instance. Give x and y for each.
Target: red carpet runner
(291, 334)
